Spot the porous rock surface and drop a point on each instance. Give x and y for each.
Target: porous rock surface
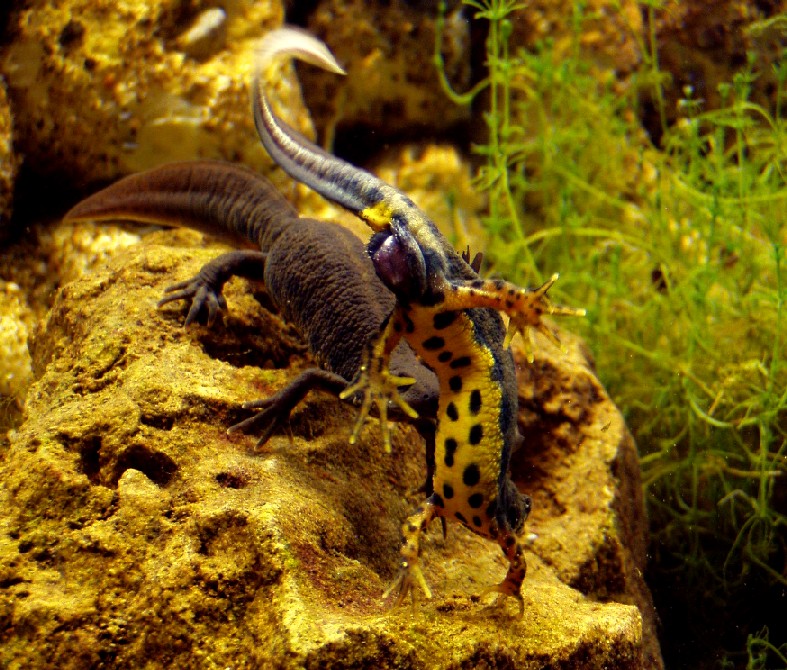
(134, 531)
(101, 89)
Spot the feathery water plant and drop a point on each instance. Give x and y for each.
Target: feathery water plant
(678, 254)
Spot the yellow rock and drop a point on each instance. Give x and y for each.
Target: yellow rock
(101, 88)
(134, 531)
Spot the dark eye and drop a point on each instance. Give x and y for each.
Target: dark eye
(399, 264)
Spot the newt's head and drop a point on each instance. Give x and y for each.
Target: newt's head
(515, 507)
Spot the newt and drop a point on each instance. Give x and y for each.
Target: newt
(449, 316)
(316, 272)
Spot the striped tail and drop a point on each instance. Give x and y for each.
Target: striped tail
(356, 190)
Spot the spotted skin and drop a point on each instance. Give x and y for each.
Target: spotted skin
(451, 319)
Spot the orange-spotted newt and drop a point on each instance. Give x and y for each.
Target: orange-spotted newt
(316, 273)
(449, 316)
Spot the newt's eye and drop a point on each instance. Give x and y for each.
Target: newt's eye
(399, 263)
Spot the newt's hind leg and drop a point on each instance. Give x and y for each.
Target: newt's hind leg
(275, 411)
(513, 547)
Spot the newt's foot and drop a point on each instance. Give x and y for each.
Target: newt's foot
(505, 588)
(273, 417)
(528, 319)
(409, 575)
(276, 410)
(377, 385)
(206, 300)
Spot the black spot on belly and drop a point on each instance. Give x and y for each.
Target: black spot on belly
(408, 322)
(478, 283)
(461, 362)
(472, 475)
(451, 412)
(443, 320)
(448, 491)
(450, 450)
(437, 501)
(476, 500)
(477, 521)
(476, 434)
(433, 343)
(445, 356)
(499, 284)
(475, 402)
(455, 383)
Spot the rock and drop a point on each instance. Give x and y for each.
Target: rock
(608, 37)
(579, 463)
(133, 530)
(102, 89)
(8, 162)
(392, 86)
(32, 268)
(702, 49)
(15, 371)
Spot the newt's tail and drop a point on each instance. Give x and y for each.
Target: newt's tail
(358, 191)
(214, 197)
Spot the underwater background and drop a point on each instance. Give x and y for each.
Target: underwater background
(636, 147)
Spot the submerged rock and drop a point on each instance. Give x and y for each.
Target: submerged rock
(101, 89)
(392, 87)
(134, 531)
(8, 162)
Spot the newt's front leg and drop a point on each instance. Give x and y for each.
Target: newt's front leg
(525, 307)
(205, 288)
(514, 549)
(409, 569)
(375, 381)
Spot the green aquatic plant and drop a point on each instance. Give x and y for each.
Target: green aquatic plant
(678, 254)
(763, 655)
